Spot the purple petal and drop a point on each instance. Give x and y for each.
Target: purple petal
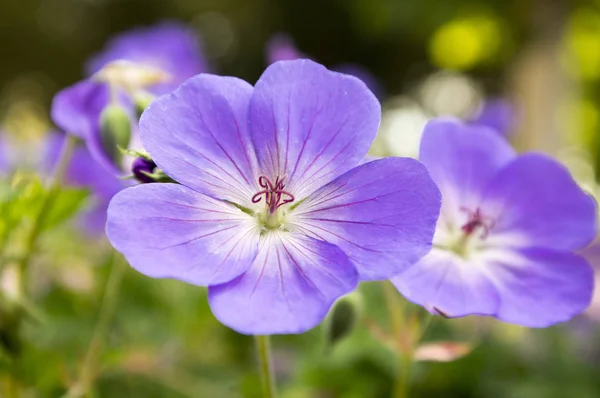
(462, 159)
(289, 288)
(541, 287)
(82, 170)
(76, 110)
(497, 114)
(311, 124)
(199, 136)
(531, 287)
(281, 47)
(170, 46)
(535, 202)
(170, 231)
(381, 214)
(443, 281)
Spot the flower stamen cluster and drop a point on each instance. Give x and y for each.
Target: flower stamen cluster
(477, 221)
(274, 194)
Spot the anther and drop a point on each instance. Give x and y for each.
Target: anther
(274, 193)
(477, 220)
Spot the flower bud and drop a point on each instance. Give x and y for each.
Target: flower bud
(141, 101)
(141, 167)
(343, 318)
(115, 131)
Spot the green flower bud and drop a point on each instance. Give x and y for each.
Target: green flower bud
(142, 100)
(343, 318)
(115, 131)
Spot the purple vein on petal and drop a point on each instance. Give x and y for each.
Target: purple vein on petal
(199, 237)
(301, 271)
(306, 139)
(318, 156)
(287, 139)
(310, 260)
(223, 149)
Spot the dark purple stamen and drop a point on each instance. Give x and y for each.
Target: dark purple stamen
(140, 166)
(477, 220)
(275, 196)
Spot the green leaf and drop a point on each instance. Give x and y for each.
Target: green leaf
(64, 204)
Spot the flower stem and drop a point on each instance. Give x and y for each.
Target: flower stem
(263, 348)
(402, 338)
(107, 310)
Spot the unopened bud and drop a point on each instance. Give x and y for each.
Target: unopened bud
(142, 168)
(343, 318)
(142, 100)
(115, 131)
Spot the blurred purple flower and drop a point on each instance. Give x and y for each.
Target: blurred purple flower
(170, 47)
(273, 213)
(281, 47)
(84, 172)
(4, 159)
(497, 114)
(505, 240)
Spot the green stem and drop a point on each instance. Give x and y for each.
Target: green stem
(263, 348)
(107, 310)
(402, 339)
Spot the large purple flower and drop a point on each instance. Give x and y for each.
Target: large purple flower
(273, 213)
(169, 47)
(509, 226)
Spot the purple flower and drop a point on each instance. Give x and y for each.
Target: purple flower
(273, 213)
(84, 172)
(497, 114)
(509, 226)
(281, 47)
(168, 47)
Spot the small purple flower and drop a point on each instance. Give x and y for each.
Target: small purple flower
(273, 213)
(497, 114)
(169, 47)
(281, 47)
(509, 227)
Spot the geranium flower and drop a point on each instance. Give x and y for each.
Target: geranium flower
(273, 213)
(135, 66)
(509, 227)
